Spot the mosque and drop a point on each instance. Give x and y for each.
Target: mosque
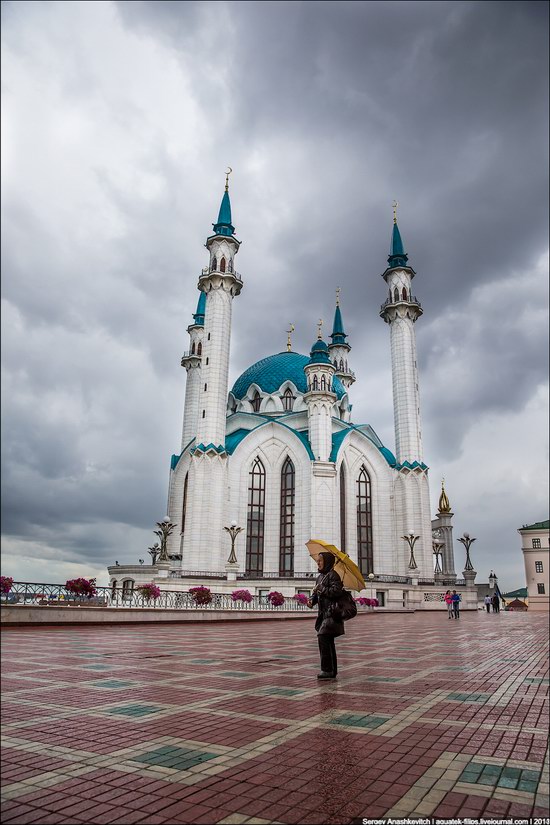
(279, 456)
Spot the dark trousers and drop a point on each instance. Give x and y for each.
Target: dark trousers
(488, 606)
(327, 649)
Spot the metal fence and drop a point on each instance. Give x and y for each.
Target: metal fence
(30, 593)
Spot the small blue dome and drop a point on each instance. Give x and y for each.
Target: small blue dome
(271, 372)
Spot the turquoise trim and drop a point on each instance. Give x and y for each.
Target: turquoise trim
(339, 437)
(233, 440)
(201, 448)
(198, 316)
(408, 466)
(397, 256)
(338, 335)
(270, 374)
(174, 461)
(224, 225)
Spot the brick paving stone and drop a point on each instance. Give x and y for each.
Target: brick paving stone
(231, 723)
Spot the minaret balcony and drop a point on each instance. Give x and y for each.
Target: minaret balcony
(347, 373)
(413, 300)
(191, 359)
(228, 272)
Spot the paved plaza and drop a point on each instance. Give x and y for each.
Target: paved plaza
(226, 723)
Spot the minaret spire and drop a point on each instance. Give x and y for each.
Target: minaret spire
(339, 348)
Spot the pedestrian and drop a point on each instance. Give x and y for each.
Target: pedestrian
(456, 604)
(329, 623)
(449, 602)
(488, 601)
(496, 604)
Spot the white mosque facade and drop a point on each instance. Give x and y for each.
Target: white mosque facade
(279, 455)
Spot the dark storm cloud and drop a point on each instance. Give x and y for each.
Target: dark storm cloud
(121, 118)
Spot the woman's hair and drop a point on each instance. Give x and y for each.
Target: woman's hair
(328, 562)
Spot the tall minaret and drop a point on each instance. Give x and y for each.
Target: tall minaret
(204, 544)
(320, 398)
(339, 348)
(192, 363)
(400, 311)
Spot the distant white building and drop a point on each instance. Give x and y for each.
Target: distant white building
(536, 556)
(279, 455)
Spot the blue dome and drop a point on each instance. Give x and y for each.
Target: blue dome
(271, 372)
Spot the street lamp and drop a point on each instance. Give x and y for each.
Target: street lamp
(467, 542)
(165, 529)
(437, 549)
(370, 577)
(153, 551)
(233, 532)
(411, 540)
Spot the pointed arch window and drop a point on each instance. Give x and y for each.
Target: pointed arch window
(193, 348)
(184, 503)
(396, 294)
(214, 264)
(222, 265)
(199, 348)
(288, 400)
(343, 542)
(323, 382)
(365, 558)
(286, 544)
(256, 401)
(255, 519)
(315, 383)
(404, 293)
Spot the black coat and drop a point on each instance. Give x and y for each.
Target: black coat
(327, 593)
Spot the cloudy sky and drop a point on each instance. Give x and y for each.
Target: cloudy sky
(119, 120)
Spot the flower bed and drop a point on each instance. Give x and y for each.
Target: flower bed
(148, 591)
(275, 598)
(81, 587)
(361, 600)
(201, 595)
(6, 584)
(301, 598)
(242, 596)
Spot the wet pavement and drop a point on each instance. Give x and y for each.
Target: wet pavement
(226, 723)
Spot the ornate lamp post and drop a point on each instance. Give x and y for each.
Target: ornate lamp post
(411, 540)
(233, 532)
(232, 565)
(153, 552)
(437, 547)
(370, 577)
(467, 542)
(165, 529)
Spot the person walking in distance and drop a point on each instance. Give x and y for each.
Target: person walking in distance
(329, 623)
(448, 598)
(496, 604)
(456, 604)
(488, 602)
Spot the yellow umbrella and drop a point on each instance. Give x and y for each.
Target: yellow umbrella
(351, 576)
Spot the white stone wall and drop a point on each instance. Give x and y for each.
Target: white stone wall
(215, 367)
(406, 398)
(537, 601)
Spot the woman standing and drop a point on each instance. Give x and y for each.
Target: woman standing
(449, 602)
(329, 623)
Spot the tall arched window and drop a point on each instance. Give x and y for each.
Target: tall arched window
(404, 293)
(342, 509)
(214, 264)
(288, 400)
(222, 265)
(286, 545)
(396, 294)
(127, 589)
(184, 503)
(113, 589)
(323, 382)
(315, 383)
(255, 519)
(193, 348)
(199, 348)
(256, 401)
(364, 523)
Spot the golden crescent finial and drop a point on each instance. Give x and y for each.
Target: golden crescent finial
(337, 296)
(289, 340)
(395, 204)
(319, 325)
(229, 170)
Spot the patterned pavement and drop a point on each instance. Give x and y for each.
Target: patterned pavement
(226, 723)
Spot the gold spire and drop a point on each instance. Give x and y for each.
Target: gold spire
(395, 204)
(337, 296)
(229, 170)
(444, 503)
(289, 340)
(319, 325)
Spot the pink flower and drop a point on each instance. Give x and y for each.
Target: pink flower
(242, 596)
(6, 584)
(301, 598)
(149, 591)
(201, 595)
(275, 598)
(81, 587)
